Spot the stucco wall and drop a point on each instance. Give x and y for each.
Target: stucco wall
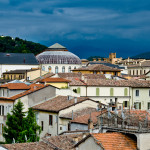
(75, 126)
(89, 144)
(143, 141)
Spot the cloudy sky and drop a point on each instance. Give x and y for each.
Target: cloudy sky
(85, 27)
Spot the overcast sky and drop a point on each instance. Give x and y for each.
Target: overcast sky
(85, 27)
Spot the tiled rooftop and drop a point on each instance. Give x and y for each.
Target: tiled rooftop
(97, 67)
(15, 86)
(114, 141)
(54, 80)
(58, 103)
(79, 112)
(109, 82)
(62, 142)
(31, 88)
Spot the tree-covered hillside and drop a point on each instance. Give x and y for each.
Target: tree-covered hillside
(145, 55)
(17, 45)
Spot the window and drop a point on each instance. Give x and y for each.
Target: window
(43, 68)
(1, 110)
(3, 92)
(7, 92)
(49, 68)
(1, 128)
(144, 71)
(50, 120)
(63, 69)
(97, 91)
(56, 69)
(137, 93)
(125, 103)
(42, 125)
(111, 91)
(74, 67)
(148, 105)
(137, 105)
(140, 72)
(133, 72)
(125, 92)
(78, 90)
(149, 92)
(69, 69)
(37, 117)
(136, 72)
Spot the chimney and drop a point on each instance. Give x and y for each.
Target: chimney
(75, 100)
(90, 123)
(69, 97)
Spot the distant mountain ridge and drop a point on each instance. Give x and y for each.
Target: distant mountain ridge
(145, 55)
(17, 45)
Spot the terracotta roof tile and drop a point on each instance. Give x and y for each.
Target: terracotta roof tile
(29, 146)
(58, 103)
(97, 67)
(115, 141)
(15, 86)
(83, 111)
(54, 80)
(66, 75)
(110, 82)
(83, 119)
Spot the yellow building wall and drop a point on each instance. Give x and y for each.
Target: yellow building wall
(13, 76)
(58, 85)
(35, 74)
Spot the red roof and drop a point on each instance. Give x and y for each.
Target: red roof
(114, 141)
(54, 80)
(15, 86)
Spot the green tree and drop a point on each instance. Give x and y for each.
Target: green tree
(20, 127)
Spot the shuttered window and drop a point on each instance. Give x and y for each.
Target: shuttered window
(125, 92)
(50, 120)
(78, 90)
(111, 92)
(97, 91)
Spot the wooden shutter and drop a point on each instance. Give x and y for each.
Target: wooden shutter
(78, 90)
(125, 92)
(140, 105)
(97, 91)
(111, 91)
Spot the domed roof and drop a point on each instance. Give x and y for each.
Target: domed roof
(57, 54)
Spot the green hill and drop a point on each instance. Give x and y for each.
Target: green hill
(142, 56)
(17, 45)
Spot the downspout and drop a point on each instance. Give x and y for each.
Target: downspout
(86, 90)
(57, 124)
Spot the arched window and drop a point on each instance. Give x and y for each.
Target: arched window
(69, 69)
(56, 69)
(49, 68)
(125, 92)
(97, 91)
(63, 69)
(111, 92)
(74, 67)
(43, 68)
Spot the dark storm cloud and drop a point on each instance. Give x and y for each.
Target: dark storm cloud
(101, 25)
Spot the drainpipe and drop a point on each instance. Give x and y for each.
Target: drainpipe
(57, 124)
(86, 90)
